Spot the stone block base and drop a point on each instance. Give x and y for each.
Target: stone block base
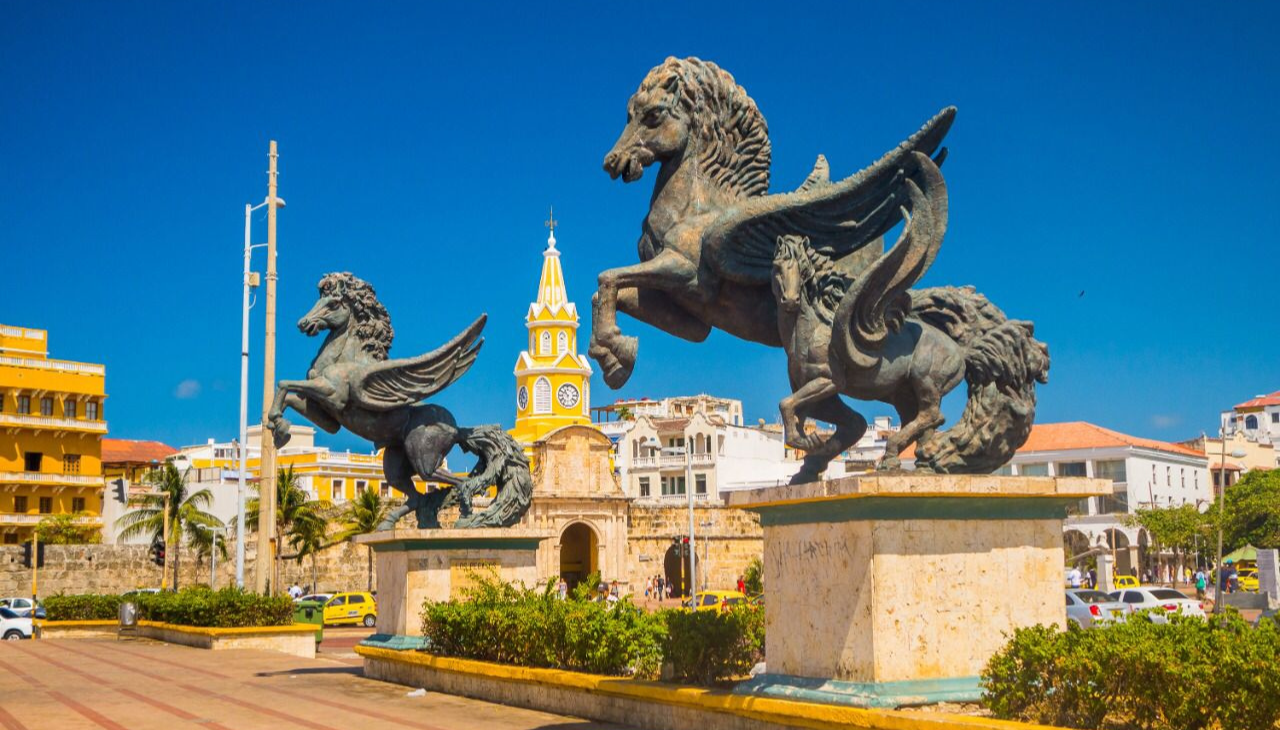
(415, 566)
(884, 589)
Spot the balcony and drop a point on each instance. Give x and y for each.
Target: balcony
(19, 420)
(65, 366)
(10, 518)
(54, 480)
(644, 462)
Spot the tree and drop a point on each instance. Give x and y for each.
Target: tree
(169, 501)
(1175, 528)
(67, 529)
(362, 516)
(1253, 511)
(624, 413)
(296, 517)
(307, 537)
(753, 577)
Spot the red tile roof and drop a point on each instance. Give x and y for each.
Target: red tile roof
(1271, 399)
(1082, 435)
(128, 451)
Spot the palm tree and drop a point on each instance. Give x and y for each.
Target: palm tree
(307, 537)
(171, 502)
(362, 516)
(295, 515)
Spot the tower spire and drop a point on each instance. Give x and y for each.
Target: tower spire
(551, 224)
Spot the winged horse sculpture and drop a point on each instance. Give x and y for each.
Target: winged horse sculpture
(351, 384)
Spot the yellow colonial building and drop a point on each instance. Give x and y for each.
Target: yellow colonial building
(552, 380)
(51, 428)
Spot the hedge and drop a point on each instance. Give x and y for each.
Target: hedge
(1188, 674)
(532, 627)
(195, 606)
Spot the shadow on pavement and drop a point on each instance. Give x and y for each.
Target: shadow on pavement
(356, 670)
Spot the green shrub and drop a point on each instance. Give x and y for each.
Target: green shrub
(1188, 674)
(196, 606)
(502, 623)
(83, 607)
(707, 647)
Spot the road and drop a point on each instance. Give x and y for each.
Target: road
(136, 684)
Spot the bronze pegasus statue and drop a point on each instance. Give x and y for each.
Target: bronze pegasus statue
(353, 384)
(715, 244)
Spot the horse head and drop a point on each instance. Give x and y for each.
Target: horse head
(345, 298)
(788, 272)
(693, 105)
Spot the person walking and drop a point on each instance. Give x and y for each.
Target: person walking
(1200, 584)
(295, 591)
(662, 589)
(742, 585)
(1073, 577)
(562, 589)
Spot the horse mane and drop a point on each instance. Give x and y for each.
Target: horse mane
(373, 324)
(734, 149)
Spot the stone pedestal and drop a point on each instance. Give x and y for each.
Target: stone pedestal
(417, 565)
(886, 591)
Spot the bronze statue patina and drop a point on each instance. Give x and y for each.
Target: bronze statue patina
(717, 250)
(352, 385)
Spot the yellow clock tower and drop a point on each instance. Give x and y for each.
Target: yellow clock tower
(552, 380)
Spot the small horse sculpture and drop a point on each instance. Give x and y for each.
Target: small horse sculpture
(868, 337)
(352, 384)
(707, 244)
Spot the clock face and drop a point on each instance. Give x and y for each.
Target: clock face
(567, 394)
(522, 398)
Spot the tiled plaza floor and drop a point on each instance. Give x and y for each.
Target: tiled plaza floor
(69, 684)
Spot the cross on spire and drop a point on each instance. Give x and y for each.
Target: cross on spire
(551, 224)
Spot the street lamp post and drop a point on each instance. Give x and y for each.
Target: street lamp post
(687, 451)
(1219, 582)
(213, 552)
(249, 281)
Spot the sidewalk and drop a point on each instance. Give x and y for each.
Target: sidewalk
(102, 684)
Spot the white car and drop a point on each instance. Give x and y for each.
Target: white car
(319, 597)
(1163, 600)
(21, 605)
(1087, 608)
(14, 627)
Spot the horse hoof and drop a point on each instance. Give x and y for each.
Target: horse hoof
(616, 363)
(280, 433)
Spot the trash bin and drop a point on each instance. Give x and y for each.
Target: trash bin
(310, 612)
(128, 616)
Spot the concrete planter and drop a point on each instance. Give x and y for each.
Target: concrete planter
(646, 705)
(296, 639)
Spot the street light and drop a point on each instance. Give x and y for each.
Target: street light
(213, 550)
(1219, 578)
(687, 451)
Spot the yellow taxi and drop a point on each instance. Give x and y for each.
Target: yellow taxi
(1127, 581)
(717, 600)
(1247, 579)
(351, 608)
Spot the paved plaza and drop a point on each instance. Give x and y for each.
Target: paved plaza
(70, 684)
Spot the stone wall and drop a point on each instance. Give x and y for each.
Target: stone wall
(119, 568)
(725, 547)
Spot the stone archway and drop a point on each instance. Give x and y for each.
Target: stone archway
(1075, 543)
(1126, 554)
(578, 548)
(675, 566)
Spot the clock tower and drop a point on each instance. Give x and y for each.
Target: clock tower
(552, 380)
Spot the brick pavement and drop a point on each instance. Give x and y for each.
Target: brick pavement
(102, 684)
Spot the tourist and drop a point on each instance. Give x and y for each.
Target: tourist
(562, 589)
(1093, 579)
(742, 585)
(662, 589)
(613, 590)
(1073, 577)
(1200, 584)
(295, 591)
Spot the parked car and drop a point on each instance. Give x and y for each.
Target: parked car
(1087, 608)
(1162, 601)
(317, 597)
(14, 627)
(1247, 579)
(351, 608)
(21, 605)
(1126, 581)
(716, 600)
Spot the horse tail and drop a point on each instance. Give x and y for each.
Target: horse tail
(1003, 362)
(878, 302)
(500, 462)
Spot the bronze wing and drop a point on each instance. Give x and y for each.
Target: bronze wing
(393, 383)
(838, 218)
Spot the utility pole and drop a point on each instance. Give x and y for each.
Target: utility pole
(264, 566)
(35, 569)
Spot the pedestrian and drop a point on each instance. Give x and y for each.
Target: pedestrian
(1093, 579)
(562, 589)
(613, 589)
(295, 591)
(742, 585)
(647, 581)
(1073, 577)
(662, 588)
(1200, 584)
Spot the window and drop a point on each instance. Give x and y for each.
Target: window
(542, 394)
(361, 485)
(355, 598)
(1250, 423)
(1071, 469)
(672, 485)
(338, 601)
(1033, 470)
(68, 408)
(1168, 476)
(644, 486)
(1113, 470)
(24, 404)
(1275, 415)
(562, 343)
(77, 504)
(700, 484)
(46, 406)
(46, 505)
(1196, 477)
(385, 490)
(11, 538)
(1183, 473)
(337, 490)
(91, 410)
(1005, 471)
(544, 343)
(1, 402)
(71, 464)
(31, 460)
(20, 504)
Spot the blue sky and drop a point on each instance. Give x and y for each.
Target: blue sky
(1122, 152)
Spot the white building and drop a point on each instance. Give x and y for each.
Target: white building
(1257, 419)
